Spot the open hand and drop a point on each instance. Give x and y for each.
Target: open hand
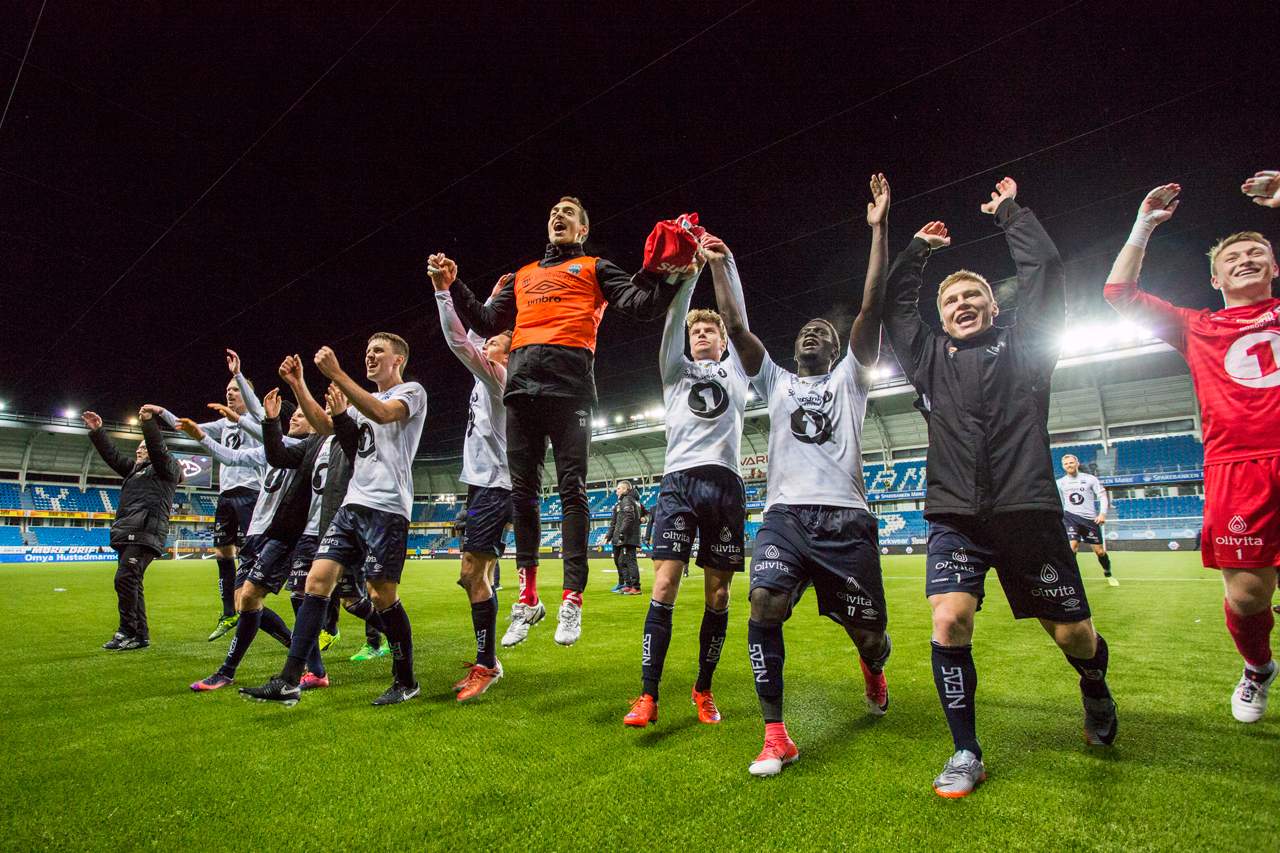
(226, 411)
(335, 402)
(1159, 204)
(191, 428)
(1263, 188)
(1006, 188)
(878, 207)
(91, 419)
(271, 403)
(233, 362)
(935, 234)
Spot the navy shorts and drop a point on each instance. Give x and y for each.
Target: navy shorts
(1081, 529)
(1031, 556)
(488, 514)
(248, 548)
(369, 541)
(300, 560)
(267, 564)
(233, 516)
(837, 549)
(709, 501)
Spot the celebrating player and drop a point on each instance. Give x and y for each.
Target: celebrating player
(701, 492)
(1084, 511)
(372, 527)
(817, 528)
(991, 498)
(141, 523)
(555, 307)
(238, 489)
(1234, 356)
(484, 470)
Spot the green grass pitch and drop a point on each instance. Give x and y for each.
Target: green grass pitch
(112, 751)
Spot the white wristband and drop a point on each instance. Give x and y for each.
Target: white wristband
(1141, 233)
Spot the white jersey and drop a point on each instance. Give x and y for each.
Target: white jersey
(1082, 495)
(815, 434)
(704, 399)
(484, 450)
(319, 476)
(233, 436)
(274, 484)
(382, 472)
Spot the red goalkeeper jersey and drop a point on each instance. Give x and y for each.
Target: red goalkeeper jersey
(1234, 356)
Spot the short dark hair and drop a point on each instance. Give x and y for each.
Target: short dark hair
(574, 199)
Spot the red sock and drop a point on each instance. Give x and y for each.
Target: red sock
(528, 585)
(1252, 634)
(776, 731)
(570, 595)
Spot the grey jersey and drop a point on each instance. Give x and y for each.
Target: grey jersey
(319, 476)
(382, 475)
(815, 434)
(1082, 495)
(484, 450)
(233, 436)
(704, 400)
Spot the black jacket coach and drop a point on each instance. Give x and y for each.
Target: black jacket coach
(146, 496)
(624, 526)
(986, 399)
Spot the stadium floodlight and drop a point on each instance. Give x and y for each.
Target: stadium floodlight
(598, 423)
(133, 420)
(69, 413)
(3, 405)
(655, 413)
(638, 417)
(617, 419)
(881, 371)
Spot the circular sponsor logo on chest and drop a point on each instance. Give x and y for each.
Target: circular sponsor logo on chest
(1254, 359)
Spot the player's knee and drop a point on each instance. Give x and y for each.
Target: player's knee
(769, 607)
(718, 597)
(952, 626)
(665, 587)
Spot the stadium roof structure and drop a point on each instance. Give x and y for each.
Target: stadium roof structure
(1133, 381)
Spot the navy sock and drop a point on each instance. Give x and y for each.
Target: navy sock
(227, 585)
(296, 601)
(956, 678)
(484, 620)
(1105, 561)
(877, 663)
(246, 630)
(306, 632)
(372, 637)
(653, 649)
(767, 653)
(274, 625)
(715, 627)
(1093, 671)
(364, 609)
(400, 636)
(331, 618)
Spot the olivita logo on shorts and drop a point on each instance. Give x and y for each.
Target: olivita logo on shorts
(1237, 525)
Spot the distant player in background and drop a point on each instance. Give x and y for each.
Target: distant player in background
(817, 527)
(484, 470)
(701, 495)
(238, 489)
(141, 523)
(555, 306)
(372, 527)
(1234, 357)
(1084, 511)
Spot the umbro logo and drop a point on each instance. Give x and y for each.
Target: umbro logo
(545, 286)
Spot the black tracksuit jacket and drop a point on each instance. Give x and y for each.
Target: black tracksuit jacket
(986, 400)
(146, 496)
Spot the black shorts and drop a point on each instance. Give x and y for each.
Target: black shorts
(837, 549)
(1030, 553)
(488, 514)
(267, 565)
(248, 549)
(1081, 529)
(370, 541)
(300, 560)
(233, 516)
(708, 500)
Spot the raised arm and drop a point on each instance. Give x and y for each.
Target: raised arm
(344, 427)
(236, 457)
(106, 448)
(1165, 321)
(162, 459)
(1042, 278)
(864, 340)
(643, 296)
(750, 350)
(378, 411)
(252, 404)
(910, 336)
(291, 372)
(491, 318)
(671, 350)
(494, 376)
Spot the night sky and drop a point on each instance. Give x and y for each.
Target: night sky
(177, 178)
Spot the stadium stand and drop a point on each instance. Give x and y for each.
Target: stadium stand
(11, 536)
